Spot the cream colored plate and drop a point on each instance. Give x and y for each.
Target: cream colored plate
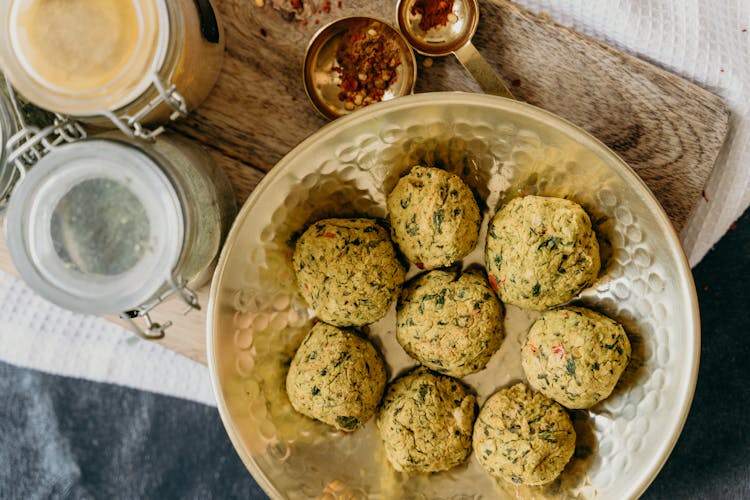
(503, 149)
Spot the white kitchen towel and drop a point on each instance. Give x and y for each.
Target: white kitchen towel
(37, 334)
(706, 42)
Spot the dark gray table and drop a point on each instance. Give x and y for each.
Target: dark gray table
(67, 438)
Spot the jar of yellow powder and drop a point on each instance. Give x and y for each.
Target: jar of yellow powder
(133, 61)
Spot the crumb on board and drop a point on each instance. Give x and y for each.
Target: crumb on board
(427, 63)
(302, 11)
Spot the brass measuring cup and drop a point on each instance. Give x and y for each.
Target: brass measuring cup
(453, 37)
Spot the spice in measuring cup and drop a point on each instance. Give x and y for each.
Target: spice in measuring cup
(435, 13)
(367, 60)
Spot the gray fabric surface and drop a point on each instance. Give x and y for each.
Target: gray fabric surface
(66, 438)
(712, 457)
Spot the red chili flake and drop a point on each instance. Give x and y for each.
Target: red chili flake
(493, 282)
(533, 347)
(419, 265)
(338, 4)
(367, 62)
(733, 227)
(307, 287)
(303, 22)
(434, 13)
(516, 82)
(328, 235)
(559, 350)
(296, 4)
(326, 6)
(317, 21)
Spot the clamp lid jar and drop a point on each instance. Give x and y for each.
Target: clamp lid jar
(132, 61)
(94, 227)
(107, 225)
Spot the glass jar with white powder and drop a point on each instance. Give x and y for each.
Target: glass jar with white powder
(112, 225)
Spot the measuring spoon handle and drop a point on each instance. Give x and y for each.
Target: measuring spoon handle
(482, 72)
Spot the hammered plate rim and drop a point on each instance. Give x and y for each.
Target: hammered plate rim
(589, 142)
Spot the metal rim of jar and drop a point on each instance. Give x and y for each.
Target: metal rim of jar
(25, 254)
(8, 174)
(117, 95)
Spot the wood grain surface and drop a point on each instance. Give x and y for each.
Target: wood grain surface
(666, 128)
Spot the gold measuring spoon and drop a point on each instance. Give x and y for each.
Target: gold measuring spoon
(453, 37)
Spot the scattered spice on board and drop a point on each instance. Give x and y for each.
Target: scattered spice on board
(302, 11)
(367, 62)
(434, 13)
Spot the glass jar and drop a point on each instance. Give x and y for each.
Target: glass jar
(132, 61)
(112, 225)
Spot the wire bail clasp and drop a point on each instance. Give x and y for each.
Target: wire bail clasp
(27, 146)
(154, 330)
(131, 125)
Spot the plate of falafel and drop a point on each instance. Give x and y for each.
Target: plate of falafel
(447, 296)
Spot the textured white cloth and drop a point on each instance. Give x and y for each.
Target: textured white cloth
(37, 334)
(701, 41)
(705, 42)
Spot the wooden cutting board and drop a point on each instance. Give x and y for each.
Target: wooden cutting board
(668, 129)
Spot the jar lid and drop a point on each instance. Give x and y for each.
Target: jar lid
(96, 227)
(8, 173)
(82, 57)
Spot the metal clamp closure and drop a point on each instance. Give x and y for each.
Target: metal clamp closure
(131, 126)
(154, 330)
(31, 143)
